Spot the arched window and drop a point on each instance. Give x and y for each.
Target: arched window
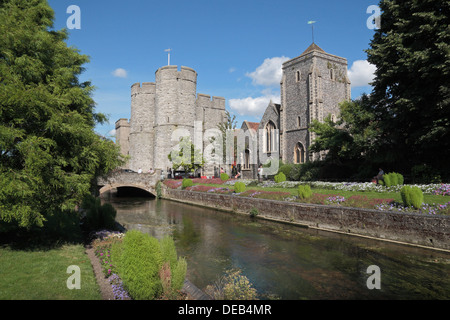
(299, 153)
(298, 76)
(247, 159)
(299, 122)
(270, 137)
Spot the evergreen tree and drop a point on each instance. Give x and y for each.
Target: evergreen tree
(411, 95)
(49, 152)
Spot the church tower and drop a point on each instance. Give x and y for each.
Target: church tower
(312, 87)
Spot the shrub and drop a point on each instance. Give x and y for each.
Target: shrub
(280, 177)
(98, 216)
(254, 212)
(224, 177)
(304, 192)
(239, 187)
(139, 265)
(186, 183)
(286, 170)
(393, 179)
(232, 286)
(173, 270)
(412, 196)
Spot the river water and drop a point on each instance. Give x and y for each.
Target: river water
(284, 261)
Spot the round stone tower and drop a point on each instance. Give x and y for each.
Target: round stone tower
(174, 110)
(141, 126)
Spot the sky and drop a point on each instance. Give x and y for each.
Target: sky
(236, 47)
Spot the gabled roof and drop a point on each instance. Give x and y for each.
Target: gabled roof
(252, 125)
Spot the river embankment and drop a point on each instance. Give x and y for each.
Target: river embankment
(429, 231)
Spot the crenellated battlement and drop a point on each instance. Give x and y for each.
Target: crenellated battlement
(161, 107)
(145, 88)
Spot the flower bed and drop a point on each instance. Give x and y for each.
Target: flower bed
(357, 201)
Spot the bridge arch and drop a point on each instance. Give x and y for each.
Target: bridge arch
(121, 179)
(141, 190)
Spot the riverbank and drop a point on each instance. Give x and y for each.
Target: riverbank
(406, 228)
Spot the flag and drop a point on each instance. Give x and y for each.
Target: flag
(311, 22)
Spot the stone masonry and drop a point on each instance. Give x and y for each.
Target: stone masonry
(162, 112)
(312, 87)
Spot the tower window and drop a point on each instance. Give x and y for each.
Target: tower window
(299, 153)
(299, 122)
(168, 120)
(298, 76)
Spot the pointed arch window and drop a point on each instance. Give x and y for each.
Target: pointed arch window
(299, 153)
(270, 136)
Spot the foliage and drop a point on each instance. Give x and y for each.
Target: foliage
(158, 190)
(224, 177)
(185, 156)
(280, 177)
(173, 270)
(412, 196)
(149, 269)
(98, 216)
(139, 265)
(232, 286)
(411, 88)
(304, 192)
(239, 187)
(186, 183)
(254, 212)
(229, 124)
(425, 174)
(49, 152)
(392, 179)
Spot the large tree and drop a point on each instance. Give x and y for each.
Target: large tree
(49, 152)
(411, 95)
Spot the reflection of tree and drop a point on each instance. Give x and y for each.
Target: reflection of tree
(186, 235)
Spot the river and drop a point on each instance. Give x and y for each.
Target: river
(288, 262)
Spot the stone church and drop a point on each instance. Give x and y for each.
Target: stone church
(312, 87)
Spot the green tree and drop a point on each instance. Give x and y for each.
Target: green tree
(224, 127)
(411, 89)
(185, 156)
(352, 136)
(49, 152)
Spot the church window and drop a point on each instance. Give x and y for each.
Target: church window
(299, 122)
(168, 120)
(298, 76)
(299, 153)
(332, 74)
(270, 137)
(247, 159)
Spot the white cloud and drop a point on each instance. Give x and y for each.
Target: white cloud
(120, 73)
(252, 106)
(112, 133)
(269, 73)
(232, 69)
(361, 73)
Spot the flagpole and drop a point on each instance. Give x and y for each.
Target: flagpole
(312, 28)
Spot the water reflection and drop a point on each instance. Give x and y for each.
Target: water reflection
(286, 261)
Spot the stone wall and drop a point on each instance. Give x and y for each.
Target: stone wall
(415, 229)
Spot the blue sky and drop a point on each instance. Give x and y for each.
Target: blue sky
(236, 47)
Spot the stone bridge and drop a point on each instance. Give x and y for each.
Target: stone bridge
(123, 179)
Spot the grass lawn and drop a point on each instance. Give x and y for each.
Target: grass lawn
(40, 274)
